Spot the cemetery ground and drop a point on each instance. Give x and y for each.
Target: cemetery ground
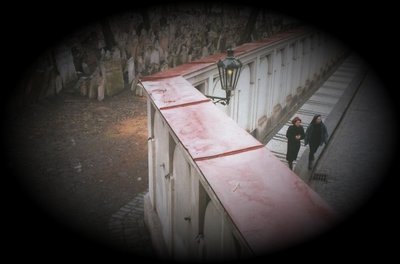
(76, 162)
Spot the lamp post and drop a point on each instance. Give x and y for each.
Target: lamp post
(229, 72)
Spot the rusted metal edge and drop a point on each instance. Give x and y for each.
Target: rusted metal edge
(229, 153)
(185, 104)
(154, 78)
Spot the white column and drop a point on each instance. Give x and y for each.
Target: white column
(299, 64)
(151, 151)
(309, 62)
(290, 66)
(254, 92)
(276, 77)
(182, 211)
(304, 63)
(320, 54)
(270, 84)
(162, 169)
(296, 67)
(262, 95)
(283, 82)
(242, 98)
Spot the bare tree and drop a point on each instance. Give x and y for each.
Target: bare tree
(251, 23)
(108, 35)
(146, 19)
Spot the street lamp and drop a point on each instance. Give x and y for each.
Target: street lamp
(229, 72)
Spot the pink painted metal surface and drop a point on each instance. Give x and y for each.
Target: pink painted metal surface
(205, 131)
(170, 92)
(269, 204)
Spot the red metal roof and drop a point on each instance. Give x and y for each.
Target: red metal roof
(199, 64)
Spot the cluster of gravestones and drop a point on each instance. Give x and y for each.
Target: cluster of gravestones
(170, 37)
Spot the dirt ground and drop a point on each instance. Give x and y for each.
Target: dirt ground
(78, 161)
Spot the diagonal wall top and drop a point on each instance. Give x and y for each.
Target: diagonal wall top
(267, 202)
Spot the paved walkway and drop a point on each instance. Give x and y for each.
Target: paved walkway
(321, 102)
(360, 150)
(359, 117)
(127, 229)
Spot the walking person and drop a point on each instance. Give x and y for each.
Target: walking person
(294, 134)
(316, 135)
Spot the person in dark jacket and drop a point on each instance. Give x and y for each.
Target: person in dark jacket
(316, 135)
(294, 134)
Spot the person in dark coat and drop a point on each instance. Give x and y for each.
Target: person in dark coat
(316, 135)
(294, 134)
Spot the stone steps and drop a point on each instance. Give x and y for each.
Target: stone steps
(321, 102)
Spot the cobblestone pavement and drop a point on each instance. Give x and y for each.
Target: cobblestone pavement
(128, 231)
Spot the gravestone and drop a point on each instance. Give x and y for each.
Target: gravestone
(114, 81)
(154, 56)
(95, 81)
(59, 84)
(85, 68)
(65, 65)
(130, 68)
(100, 91)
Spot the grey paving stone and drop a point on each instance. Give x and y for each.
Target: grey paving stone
(127, 228)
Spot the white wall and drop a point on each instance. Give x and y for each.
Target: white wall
(194, 224)
(271, 76)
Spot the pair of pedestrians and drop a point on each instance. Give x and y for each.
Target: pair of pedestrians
(315, 136)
